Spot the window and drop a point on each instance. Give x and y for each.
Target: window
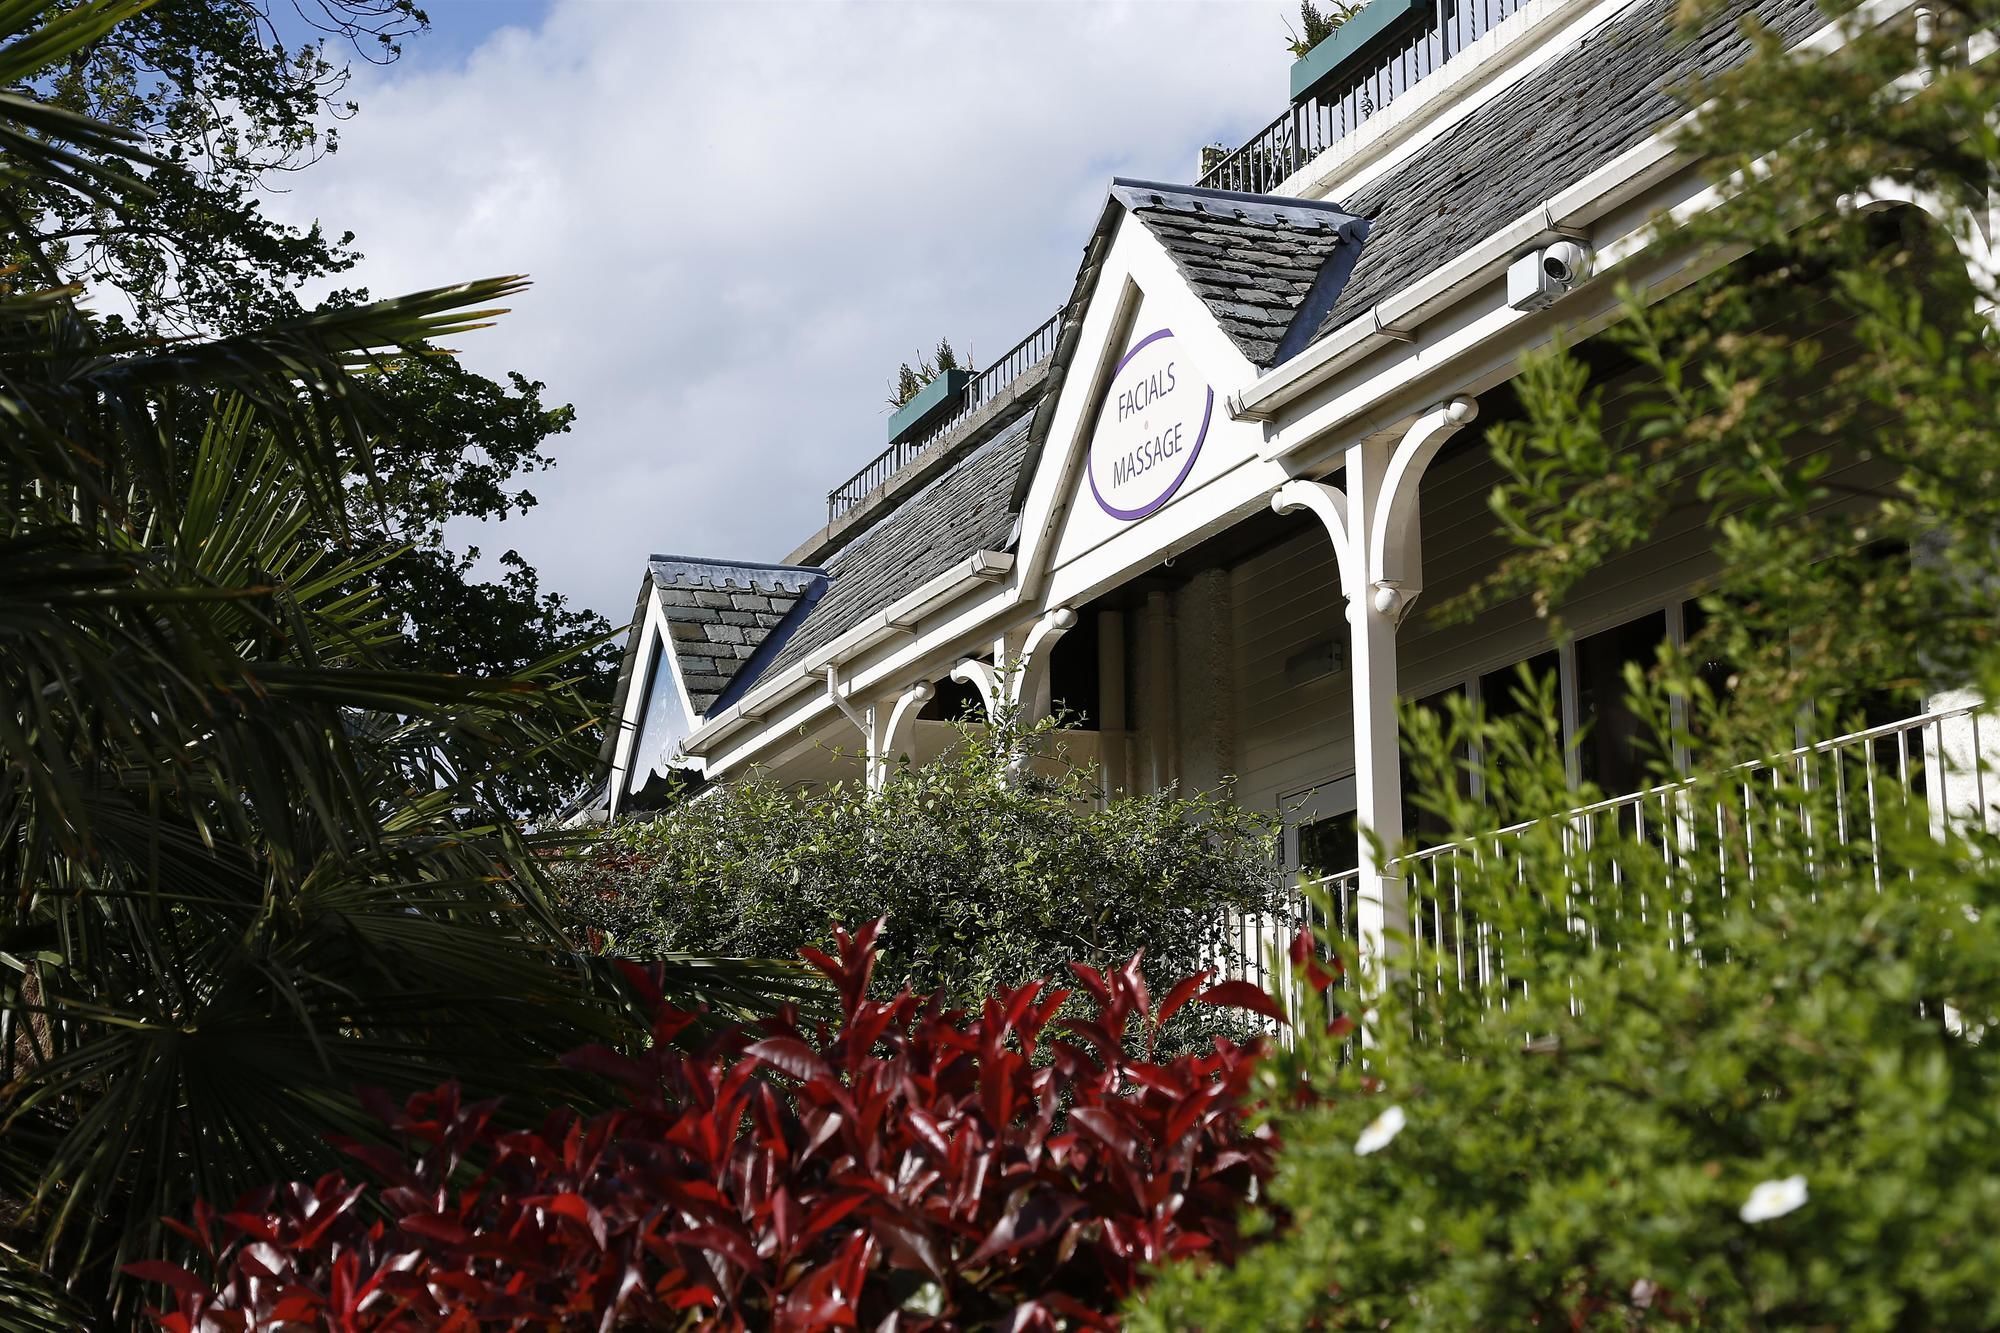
(1423, 826)
(1613, 748)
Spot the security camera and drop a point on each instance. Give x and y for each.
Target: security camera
(1537, 278)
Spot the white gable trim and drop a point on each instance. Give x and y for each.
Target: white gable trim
(655, 638)
(1136, 268)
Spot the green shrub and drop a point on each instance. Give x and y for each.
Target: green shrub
(987, 878)
(1581, 1140)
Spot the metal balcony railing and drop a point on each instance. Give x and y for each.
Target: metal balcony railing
(1927, 768)
(1406, 54)
(1030, 352)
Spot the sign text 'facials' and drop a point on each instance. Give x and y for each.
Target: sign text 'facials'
(1150, 429)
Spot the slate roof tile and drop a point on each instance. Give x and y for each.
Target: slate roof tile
(720, 613)
(965, 510)
(1254, 259)
(1551, 130)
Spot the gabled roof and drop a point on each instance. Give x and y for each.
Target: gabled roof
(1546, 133)
(1265, 265)
(723, 614)
(1276, 273)
(1257, 261)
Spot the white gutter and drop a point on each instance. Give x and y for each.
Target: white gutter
(1395, 318)
(901, 617)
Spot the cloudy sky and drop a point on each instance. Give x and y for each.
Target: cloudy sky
(740, 217)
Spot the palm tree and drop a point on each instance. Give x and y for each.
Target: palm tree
(252, 866)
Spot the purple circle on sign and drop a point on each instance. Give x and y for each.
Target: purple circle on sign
(1090, 472)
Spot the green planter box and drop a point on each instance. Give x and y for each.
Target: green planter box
(1350, 44)
(928, 404)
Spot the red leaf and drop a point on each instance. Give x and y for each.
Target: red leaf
(1093, 981)
(578, 1209)
(790, 1055)
(829, 1213)
(173, 1275)
(1243, 995)
(1182, 992)
(433, 1227)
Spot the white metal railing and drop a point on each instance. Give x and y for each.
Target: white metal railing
(1866, 780)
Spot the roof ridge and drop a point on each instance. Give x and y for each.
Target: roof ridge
(675, 571)
(1265, 209)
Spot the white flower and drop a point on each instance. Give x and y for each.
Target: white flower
(1775, 1198)
(1380, 1131)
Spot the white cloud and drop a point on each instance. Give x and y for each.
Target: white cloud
(739, 219)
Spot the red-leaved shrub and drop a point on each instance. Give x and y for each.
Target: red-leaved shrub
(910, 1169)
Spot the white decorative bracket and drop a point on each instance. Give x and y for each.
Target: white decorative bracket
(1029, 685)
(985, 679)
(886, 730)
(1329, 505)
(897, 733)
(1395, 543)
(1969, 231)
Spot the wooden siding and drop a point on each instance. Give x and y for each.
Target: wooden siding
(1294, 733)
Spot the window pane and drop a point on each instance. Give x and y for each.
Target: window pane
(1500, 692)
(1613, 752)
(1425, 828)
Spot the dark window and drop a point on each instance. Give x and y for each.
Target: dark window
(1502, 694)
(1329, 845)
(954, 700)
(1073, 674)
(1426, 828)
(1613, 749)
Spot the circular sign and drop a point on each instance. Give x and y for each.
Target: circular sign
(1149, 429)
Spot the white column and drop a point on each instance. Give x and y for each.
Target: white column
(1156, 667)
(1111, 698)
(1204, 679)
(1378, 762)
(1373, 524)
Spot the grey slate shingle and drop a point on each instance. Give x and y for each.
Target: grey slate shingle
(963, 511)
(719, 613)
(1253, 259)
(1548, 132)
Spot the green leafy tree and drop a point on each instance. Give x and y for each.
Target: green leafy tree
(252, 854)
(988, 877)
(229, 97)
(1738, 1074)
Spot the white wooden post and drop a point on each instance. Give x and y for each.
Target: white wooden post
(1373, 524)
(1382, 904)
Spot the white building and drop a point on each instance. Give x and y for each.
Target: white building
(1200, 503)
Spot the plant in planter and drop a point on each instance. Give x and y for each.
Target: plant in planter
(1317, 24)
(912, 380)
